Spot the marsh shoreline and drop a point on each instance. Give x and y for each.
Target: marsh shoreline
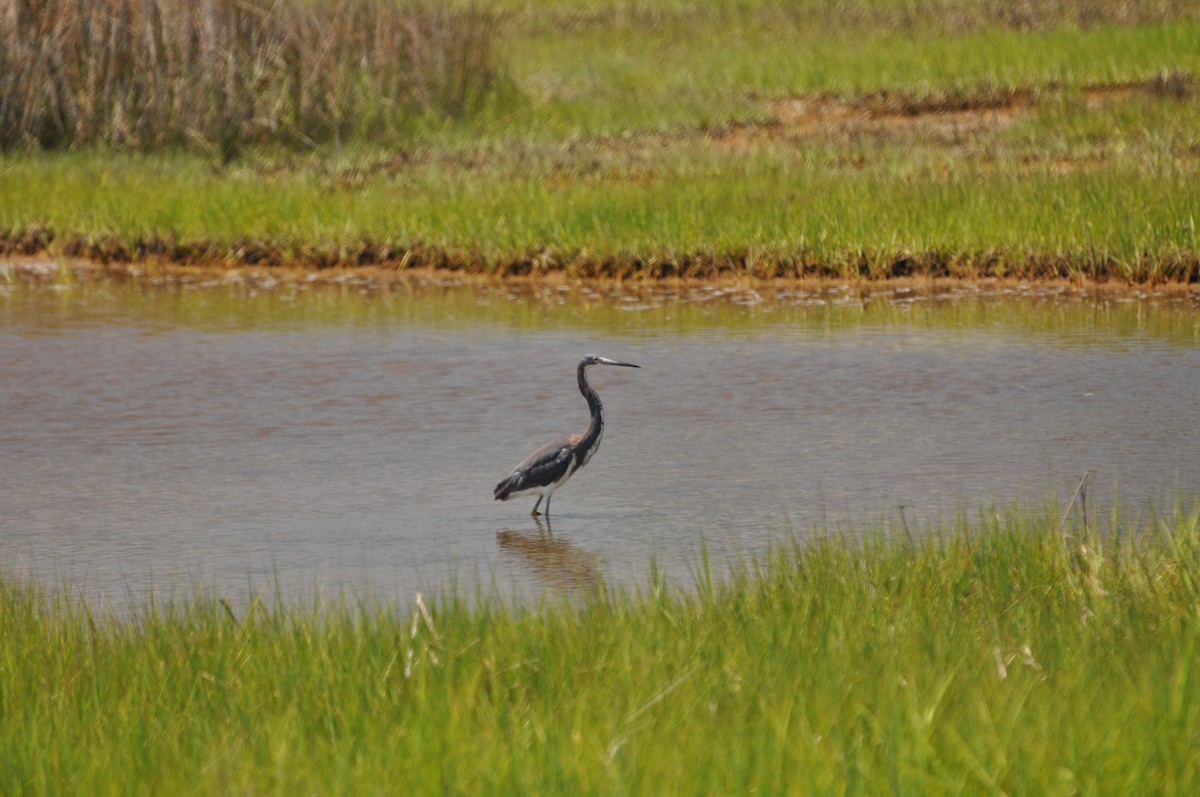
(44, 268)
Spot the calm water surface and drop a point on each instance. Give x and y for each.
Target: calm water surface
(330, 440)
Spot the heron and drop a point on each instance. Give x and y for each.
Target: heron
(549, 467)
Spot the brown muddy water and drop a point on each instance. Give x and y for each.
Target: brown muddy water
(340, 441)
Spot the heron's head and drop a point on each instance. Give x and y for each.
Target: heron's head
(596, 359)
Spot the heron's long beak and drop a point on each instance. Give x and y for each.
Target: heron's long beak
(607, 361)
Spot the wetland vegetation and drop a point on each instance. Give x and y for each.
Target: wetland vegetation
(868, 138)
(861, 139)
(1005, 655)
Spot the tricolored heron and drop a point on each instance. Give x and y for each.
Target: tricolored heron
(548, 468)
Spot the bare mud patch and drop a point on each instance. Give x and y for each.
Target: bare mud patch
(554, 287)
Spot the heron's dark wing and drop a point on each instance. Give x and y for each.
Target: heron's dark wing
(547, 465)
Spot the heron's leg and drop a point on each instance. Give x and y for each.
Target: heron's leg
(535, 513)
(548, 505)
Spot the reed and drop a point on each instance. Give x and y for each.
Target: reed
(222, 74)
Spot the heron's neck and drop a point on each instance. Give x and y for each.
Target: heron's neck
(594, 405)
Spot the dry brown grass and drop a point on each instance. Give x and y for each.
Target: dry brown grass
(224, 73)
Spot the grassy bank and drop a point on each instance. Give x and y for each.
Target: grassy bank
(866, 138)
(999, 658)
(764, 216)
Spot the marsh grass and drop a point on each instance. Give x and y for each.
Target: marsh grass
(227, 73)
(987, 657)
(706, 68)
(783, 211)
(866, 138)
(565, 16)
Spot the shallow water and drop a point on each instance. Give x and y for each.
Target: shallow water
(336, 440)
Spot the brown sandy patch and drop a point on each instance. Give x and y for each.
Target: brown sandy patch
(816, 115)
(950, 119)
(1099, 96)
(947, 118)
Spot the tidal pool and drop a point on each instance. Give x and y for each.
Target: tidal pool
(340, 441)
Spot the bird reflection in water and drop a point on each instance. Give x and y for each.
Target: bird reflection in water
(556, 562)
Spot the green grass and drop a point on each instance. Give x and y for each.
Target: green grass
(999, 657)
(662, 137)
(779, 209)
(609, 80)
